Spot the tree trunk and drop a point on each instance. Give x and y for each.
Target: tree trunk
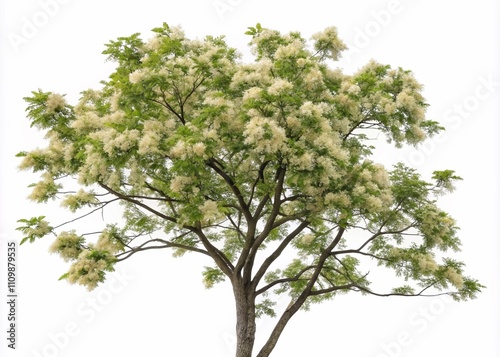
(245, 320)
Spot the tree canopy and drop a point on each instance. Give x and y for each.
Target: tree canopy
(264, 168)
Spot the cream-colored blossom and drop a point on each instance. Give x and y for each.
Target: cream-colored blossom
(179, 182)
(149, 143)
(43, 188)
(380, 175)
(293, 123)
(87, 271)
(302, 62)
(341, 125)
(199, 149)
(358, 190)
(418, 132)
(350, 88)
(303, 162)
(138, 75)
(328, 40)
(313, 79)
(309, 108)
(292, 49)
(153, 43)
(86, 122)
(252, 93)
(365, 175)
(216, 100)
(79, 199)
(68, 245)
(255, 74)
(265, 134)
(179, 150)
(54, 102)
(113, 140)
(307, 238)
(115, 101)
(405, 100)
(95, 167)
(210, 211)
(454, 277)
(29, 161)
(279, 86)
(109, 242)
(114, 180)
(116, 117)
(373, 204)
(427, 263)
(337, 199)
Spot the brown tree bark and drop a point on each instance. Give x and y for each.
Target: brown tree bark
(245, 319)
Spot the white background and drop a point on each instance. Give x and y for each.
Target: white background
(156, 305)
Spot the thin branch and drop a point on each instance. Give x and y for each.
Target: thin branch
(296, 277)
(236, 191)
(277, 252)
(138, 203)
(331, 289)
(218, 256)
(368, 291)
(165, 244)
(103, 204)
(356, 251)
(260, 177)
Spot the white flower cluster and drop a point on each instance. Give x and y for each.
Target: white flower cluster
(179, 182)
(427, 263)
(183, 150)
(290, 50)
(313, 80)
(153, 43)
(338, 199)
(59, 151)
(252, 93)
(305, 161)
(108, 242)
(54, 102)
(94, 168)
(279, 86)
(87, 271)
(436, 225)
(311, 109)
(41, 229)
(328, 42)
(210, 212)
(454, 277)
(68, 245)
(348, 87)
(152, 134)
(79, 199)
(138, 75)
(266, 134)
(307, 238)
(87, 121)
(256, 74)
(114, 140)
(43, 188)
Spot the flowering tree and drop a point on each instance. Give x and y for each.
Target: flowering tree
(263, 167)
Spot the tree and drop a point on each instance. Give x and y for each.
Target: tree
(262, 167)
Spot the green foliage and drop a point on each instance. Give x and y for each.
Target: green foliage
(268, 162)
(212, 276)
(33, 228)
(265, 307)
